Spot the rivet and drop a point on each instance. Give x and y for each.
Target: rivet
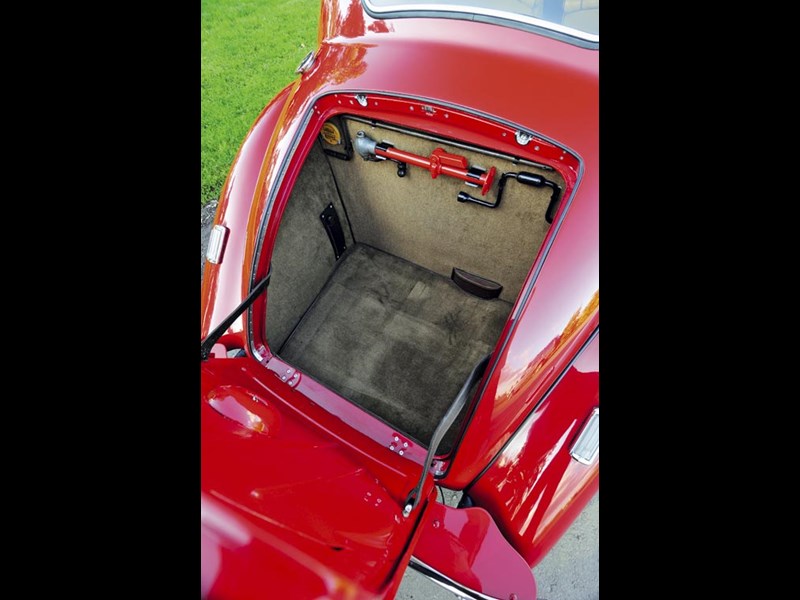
(436, 524)
(405, 444)
(400, 453)
(396, 439)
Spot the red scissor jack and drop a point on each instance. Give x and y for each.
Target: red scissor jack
(438, 163)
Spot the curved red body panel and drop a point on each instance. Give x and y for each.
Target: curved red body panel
(317, 492)
(234, 554)
(475, 553)
(534, 490)
(227, 283)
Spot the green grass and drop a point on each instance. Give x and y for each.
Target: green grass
(249, 51)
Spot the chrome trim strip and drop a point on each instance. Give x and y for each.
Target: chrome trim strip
(587, 444)
(487, 12)
(447, 583)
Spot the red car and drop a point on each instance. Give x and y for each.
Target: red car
(401, 296)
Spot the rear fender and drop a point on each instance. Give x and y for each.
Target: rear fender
(227, 283)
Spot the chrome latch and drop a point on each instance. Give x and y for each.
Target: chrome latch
(523, 138)
(306, 63)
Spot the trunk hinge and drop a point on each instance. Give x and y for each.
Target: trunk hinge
(282, 371)
(211, 338)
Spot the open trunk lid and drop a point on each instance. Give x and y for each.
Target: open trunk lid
(289, 504)
(298, 506)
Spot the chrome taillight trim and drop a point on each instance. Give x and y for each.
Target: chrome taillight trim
(216, 244)
(587, 444)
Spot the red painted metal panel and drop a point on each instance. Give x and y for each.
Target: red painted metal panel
(226, 284)
(466, 546)
(535, 489)
(534, 82)
(305, 485)
(525, 81)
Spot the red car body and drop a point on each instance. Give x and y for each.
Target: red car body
(300, 497)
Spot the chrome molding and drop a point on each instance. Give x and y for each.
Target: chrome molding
(459, 9)
(587, 444)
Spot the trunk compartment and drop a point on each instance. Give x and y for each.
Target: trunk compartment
(370, 308)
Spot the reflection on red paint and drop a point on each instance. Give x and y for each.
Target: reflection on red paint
(243, 407)
(535, 489)
(466, 546)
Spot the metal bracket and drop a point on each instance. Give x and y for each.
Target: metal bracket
(399, 444)
(284, 372)
(330, 220)
(523, 138)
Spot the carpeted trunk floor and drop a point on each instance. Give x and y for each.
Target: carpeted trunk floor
(395, 338)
